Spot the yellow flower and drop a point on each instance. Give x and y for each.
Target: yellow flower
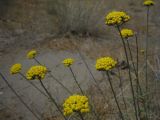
(31, 54)
(68, 62)
(36, 72)
(16, 68)
(126, 33)
(76, 103)
(148, 3)
(105, 63)
(116, 18)
(142, 51)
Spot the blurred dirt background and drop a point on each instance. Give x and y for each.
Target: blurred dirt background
(56, 28)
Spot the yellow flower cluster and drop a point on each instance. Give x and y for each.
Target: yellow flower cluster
(31, 54)
(142, 51)
(68, 62)
(36, 72)
(126, 33)
(105, 63)
(116, 18)
(16, 68)
(148, 2)
(76, 103)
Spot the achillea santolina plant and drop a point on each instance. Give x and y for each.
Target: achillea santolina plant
(31, 54)
(148, 3)
(116, 18)
(16, 68)
(107, 64)
(76, 104)
(126, 33)
(38, 73)
(92, 75)
(68, 62)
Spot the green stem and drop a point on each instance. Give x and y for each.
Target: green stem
(130, 52)
(37, 61)
(96, 83)
(129, 72)
(146, 59)
(54, 78)
(76, 80)
(114, 94)
(21, 100)
(146, 52)
(138, 86)
(138, 83)
(81, 116)
(119, 76)
(136, 73)
(53, 100)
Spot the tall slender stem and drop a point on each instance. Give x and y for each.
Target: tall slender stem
(114, 94)
(146, 56)
(129, 72)
(53, 100)
(54, 78)
(81, 116)
(138, 87)
(33, 85)
(137, 61)
(137, 65)
(21, 100)
(97, 116)
(146, 51)
(96, 83)
(37, 61)
(94, 112)
(131, 56)
(119, 75)
(136, 73)
(76, 80)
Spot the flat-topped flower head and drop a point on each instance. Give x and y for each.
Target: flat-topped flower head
(16, 68)
(142, 51)
(68, 62)
(105, 63)
(126, 33)
(148, 3)
(116, 18)
(36, 72)
(31, 54)
(76, 103)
